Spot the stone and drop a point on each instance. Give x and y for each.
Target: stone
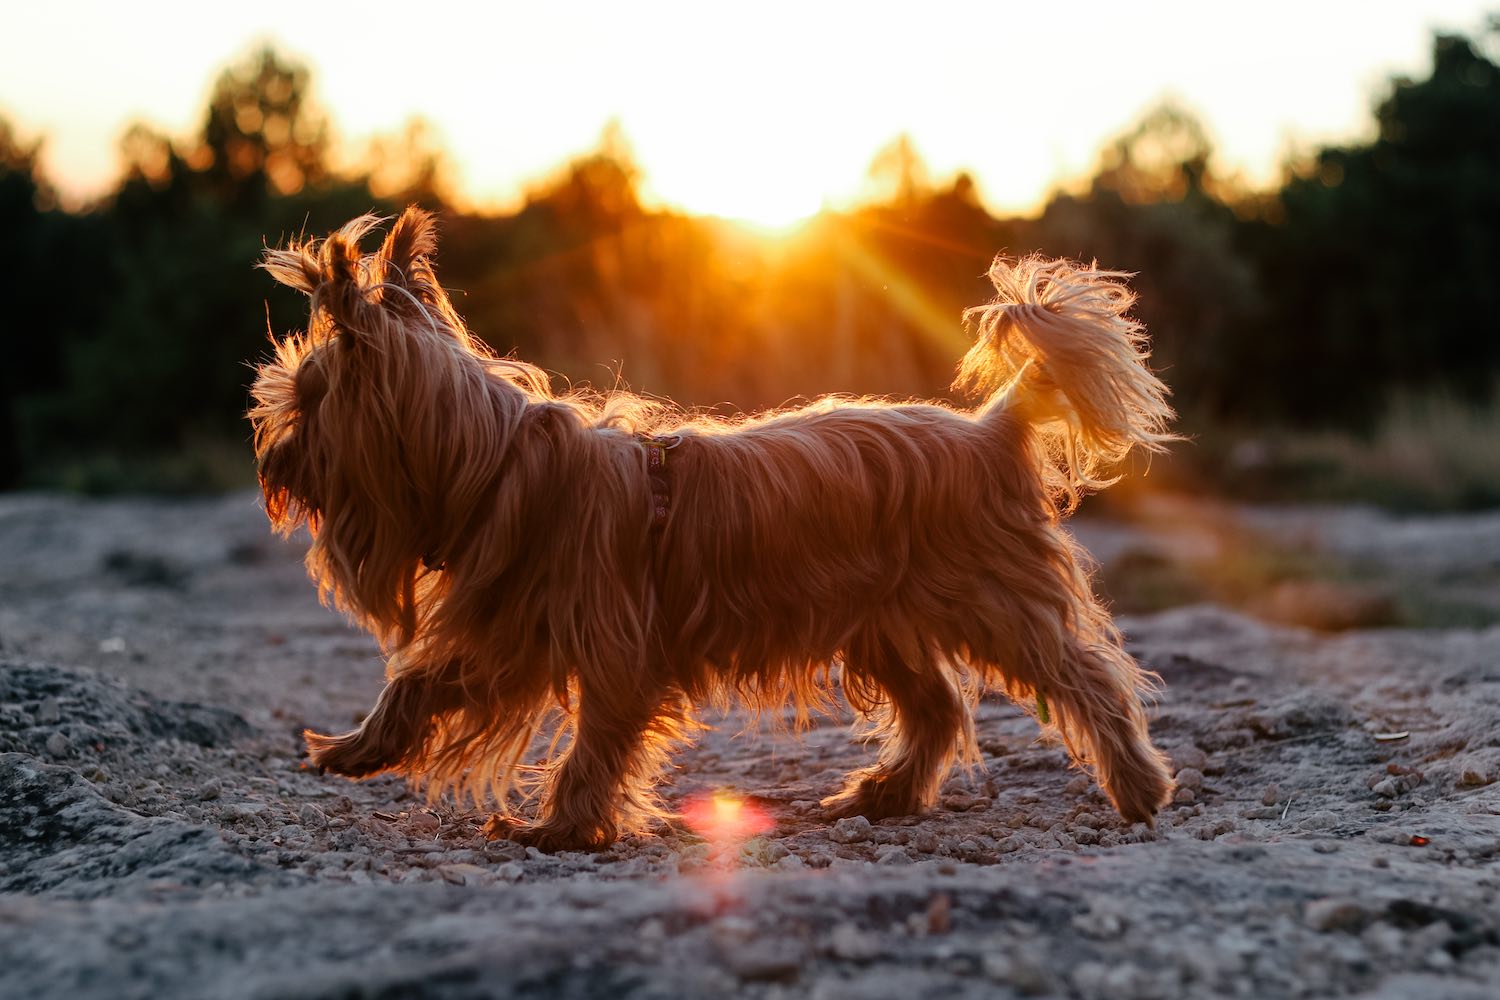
(851, 944)
(1335, 914)
(1190, 777)
(851, 830)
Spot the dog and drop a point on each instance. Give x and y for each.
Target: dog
(594, 567)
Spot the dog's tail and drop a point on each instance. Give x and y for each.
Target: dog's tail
(1057, 346)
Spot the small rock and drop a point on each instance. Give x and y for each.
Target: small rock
(1386, 788)
(1190, 777)
(463, 874)
(1474, 777)
(791, 863)
(1077, 786)
(1335, 914)
(1022, 974)
(892, 854)
(924, 841)
(851, 830)
(1184, 797)
(58, 745)
(1272, 795)
(511, 871)
(312, 817)
(210, 790)
(852, 944)
(1100, 924)
(763, 960)
(425, 822)
(1188, 757)
(48, 713)
(1323, 820)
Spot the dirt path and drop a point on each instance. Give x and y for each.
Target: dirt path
(159, 838)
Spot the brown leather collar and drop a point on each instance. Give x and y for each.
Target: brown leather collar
(657, 446)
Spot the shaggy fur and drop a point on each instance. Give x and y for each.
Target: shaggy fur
(497, 539)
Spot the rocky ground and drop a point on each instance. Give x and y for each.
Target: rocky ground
(1336, 830)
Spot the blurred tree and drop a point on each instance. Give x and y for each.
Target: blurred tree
(1384, 258)
(180, 309)
(49, 267)
(1154, 208)
(898, 174)
(262, 131)
(410, 166)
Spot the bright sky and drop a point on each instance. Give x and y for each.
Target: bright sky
(762, 110)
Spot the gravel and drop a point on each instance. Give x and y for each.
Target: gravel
(160, 836)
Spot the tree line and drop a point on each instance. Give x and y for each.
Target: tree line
(129, 324)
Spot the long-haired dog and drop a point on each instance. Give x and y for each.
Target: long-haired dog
(608, 562)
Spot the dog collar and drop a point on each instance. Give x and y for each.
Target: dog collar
(657, 446)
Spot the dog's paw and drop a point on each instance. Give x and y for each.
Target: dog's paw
(351, 755)
(873, 797)
(549, 838)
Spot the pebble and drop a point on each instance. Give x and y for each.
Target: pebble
(1272, 795)
(1386, 788)
(924, 841)
(511, 871)
(1019, 972)
(312, 817)
(463, 874)
(851, 830)
(1184, 797)
(1474, 777)
(1188, 757)
(763, 960)
(58, 745)
(1322, 820)
(1099, 924)
(1335, 914)
(852, 944)
(892, 855)
(424, 822)
(1077, 786)
(1190, 777)
(48, 713)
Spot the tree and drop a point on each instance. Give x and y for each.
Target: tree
(1383, 261)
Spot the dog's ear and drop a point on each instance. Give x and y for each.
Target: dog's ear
(308, 265)
(412, 242)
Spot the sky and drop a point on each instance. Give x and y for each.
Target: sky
(763, 111)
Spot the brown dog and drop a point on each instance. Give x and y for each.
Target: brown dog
(611, 562)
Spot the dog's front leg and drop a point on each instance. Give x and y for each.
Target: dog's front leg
(620, 737)
(395, 732)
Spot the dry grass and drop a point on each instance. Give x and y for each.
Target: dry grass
(1427, 453)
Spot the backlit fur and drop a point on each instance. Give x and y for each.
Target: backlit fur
(497, 539)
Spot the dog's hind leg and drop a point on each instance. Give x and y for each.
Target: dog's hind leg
(395, 732)
(924, 718)
(1043, 636)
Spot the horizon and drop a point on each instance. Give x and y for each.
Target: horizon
(820, 85)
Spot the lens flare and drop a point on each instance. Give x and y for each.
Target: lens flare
(725, 819)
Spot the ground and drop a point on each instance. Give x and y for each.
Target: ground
(1336, 830)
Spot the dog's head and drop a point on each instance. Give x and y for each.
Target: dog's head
(379, 422)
